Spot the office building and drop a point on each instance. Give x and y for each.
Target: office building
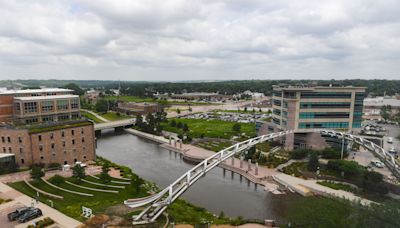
(306, 108)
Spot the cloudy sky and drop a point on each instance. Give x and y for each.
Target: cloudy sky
(199, 39)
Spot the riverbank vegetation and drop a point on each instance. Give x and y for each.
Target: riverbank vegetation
(326, 212)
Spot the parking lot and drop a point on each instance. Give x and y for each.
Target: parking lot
(5, 209)
(392, 131)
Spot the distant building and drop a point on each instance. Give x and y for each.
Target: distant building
(44, 126)
(133, 108)
(373, 106)
(305, 108)
(92, 95)
(200, 96)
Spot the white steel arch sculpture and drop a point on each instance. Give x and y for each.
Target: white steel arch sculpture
(159, 202)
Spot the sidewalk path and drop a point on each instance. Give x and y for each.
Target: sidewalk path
(20, 198)
(305, 187)
(96, 115)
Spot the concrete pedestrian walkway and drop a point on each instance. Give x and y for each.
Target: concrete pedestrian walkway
(310, 187)
(96, 115)
(20, 198)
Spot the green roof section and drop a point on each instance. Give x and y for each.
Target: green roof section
(60, 126)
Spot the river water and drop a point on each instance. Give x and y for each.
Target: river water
(218, 191)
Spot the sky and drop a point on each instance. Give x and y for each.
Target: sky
(170, 40)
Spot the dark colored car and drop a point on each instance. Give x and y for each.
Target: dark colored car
(30, 214)
(17, 213)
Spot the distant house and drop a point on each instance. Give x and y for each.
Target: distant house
(134, 108)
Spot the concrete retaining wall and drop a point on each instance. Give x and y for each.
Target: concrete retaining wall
(43, 192)
(66, 190)
(91, 189)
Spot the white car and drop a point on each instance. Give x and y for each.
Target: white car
(378, 164)
(390, 140)
(392, 150)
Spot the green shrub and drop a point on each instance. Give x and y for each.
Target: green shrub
(299, 154)
(54, 165)
(57, 180)
(43, 223)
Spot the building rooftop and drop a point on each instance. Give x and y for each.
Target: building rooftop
(381, 101)
(6, 155)
(44, 90)
(52, 97)
(307, 87)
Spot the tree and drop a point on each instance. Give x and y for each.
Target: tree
(104, 176)
(101, 105)
(245, 109)
(178, 111)
(313, 163)
(77, 90)
(37, 172)
(78, 172)
(179, 125)
(139, 120)
(236, 127)
(172, 123)
(386, 112)
(190, 109)
(185, 127)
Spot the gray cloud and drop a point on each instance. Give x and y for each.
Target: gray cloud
(199, 39)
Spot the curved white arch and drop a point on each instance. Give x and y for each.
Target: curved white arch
(160, 201)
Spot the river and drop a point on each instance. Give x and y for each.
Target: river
(217, 191)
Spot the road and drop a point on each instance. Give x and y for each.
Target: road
(392, 131)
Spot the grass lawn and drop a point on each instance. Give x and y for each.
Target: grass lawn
(113, 116)
(214, 144)
(210, 128)
(91, 117)
(71, 204)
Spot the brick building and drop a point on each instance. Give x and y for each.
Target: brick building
(133, 108)
(44, 126)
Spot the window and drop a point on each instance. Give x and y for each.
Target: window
(62, 105)
(4, 150)
(82, 131)
(41, 148)
(65, 162)
(51, 136)
(75, 115)
(63, 117)
(75, 160)
(74, 104)
(47, 106)
(63, 143)
(20, 139)
(322, 115)
(9, 139)
(52, 146)
(277, 112)
(47, 118)
(83, 140)
(73, 142)
(325, 95)
(41, 157)
(3, 139)
(40, 138)
(334, 125)
(30, 107)
(31, 120)
(22, 161)
(312, 105)
(72, 132)
(9, 149)
(21, 150)
(62, 134)
(277, 102)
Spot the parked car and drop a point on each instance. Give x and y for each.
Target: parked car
(390, 140)
(378, 164)
(30, 214)
(17, 213)
(392, 150)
